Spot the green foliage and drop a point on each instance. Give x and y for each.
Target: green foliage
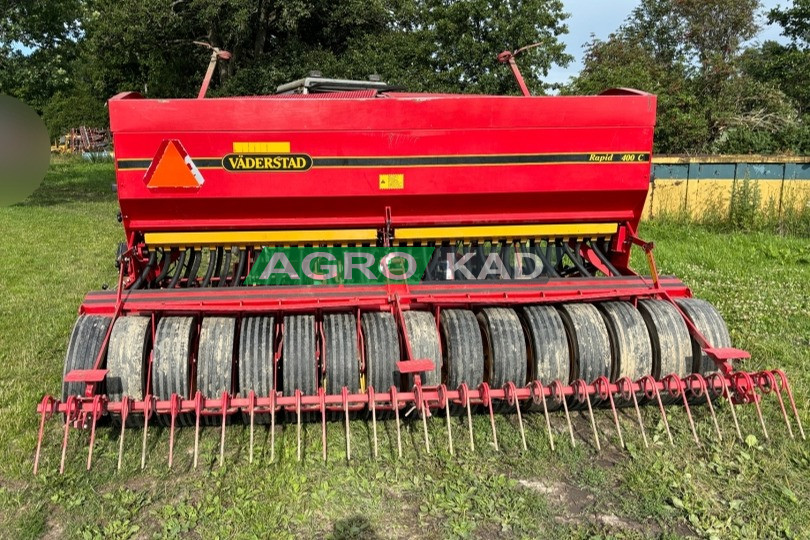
(109, 46)
(713, 95)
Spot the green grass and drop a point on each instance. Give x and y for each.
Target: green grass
(61, 243)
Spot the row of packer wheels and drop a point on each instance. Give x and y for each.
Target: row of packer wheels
(492, 344)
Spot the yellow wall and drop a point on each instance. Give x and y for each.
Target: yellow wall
(703, 186)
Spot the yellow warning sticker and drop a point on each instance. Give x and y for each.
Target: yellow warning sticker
(392, 181)
(261, 147)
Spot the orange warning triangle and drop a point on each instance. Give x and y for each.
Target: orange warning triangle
(172, 168)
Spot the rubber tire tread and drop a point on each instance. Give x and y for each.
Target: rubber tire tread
(171, 364)
(669, 337)
(548, 344)
(464, 348)
(342, 354)
(256, 356)
(710, 323)
(631, 349)
(507, 346)
(86, 340)
(382, 351)
(127, 361)
(588, 341)
(215, 360)
(425, 344)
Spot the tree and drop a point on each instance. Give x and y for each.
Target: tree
(689, 53)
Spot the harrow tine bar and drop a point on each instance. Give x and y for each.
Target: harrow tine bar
(737, 387)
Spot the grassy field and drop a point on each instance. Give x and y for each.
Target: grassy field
(61, 243)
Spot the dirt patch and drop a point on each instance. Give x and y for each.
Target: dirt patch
(575, 506)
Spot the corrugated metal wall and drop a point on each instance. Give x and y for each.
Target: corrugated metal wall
(698, 185)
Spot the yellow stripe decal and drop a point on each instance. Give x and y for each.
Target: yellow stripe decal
(259, 238)
(580, 230)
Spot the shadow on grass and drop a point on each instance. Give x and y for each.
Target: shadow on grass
(74, 181)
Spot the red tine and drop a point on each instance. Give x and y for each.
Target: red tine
(744, 386)
(251, 412)
(174, 409)
(538, 390)
(676, 388)
(557, 391)
(322, 403)
(373, 406)
(510, 393)
(147, 411)
(226, 398)
(702, 390)
(625, 385)
(484, 390)
(69, 412)
(581, 389)
(298, 419)
(767, 384)
(424, 413)
(719, 381)
(786, 385)
(125, 406)
(96, 414)
(345, 396)
(46, 407)
(445, 404)
(272, 425)
(464, 394)
(650, 388)
(394, 403)
(602, 385)
(198, 405)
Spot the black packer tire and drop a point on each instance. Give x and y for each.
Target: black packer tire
(256, 356)
(710, 323)
(215, 360)
(631, 349)
(299, 370)
(128, 360)
(669, 337)
(588, 341)
(171, 363)
(425, 344)
(86, 340)
(550, 358)
(381, 348)
(505, 357)
(341, 354)
(464, 349)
